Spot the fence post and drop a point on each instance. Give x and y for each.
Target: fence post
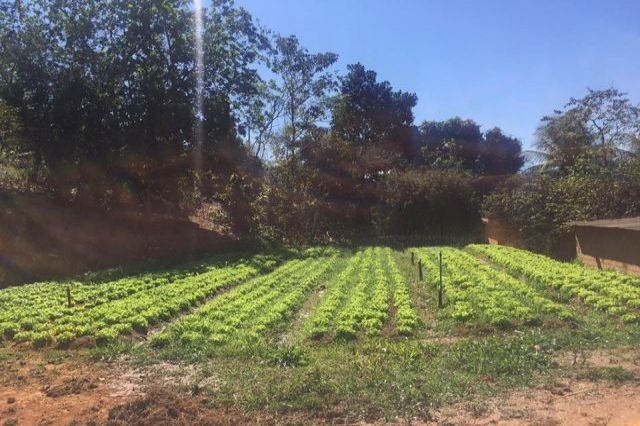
(420, 269)
(413, 258)
(69, 296)
(440, 302)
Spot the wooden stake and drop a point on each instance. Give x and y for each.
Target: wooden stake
(69, 296)
(420, 269)
(413, 258)
(440, 301)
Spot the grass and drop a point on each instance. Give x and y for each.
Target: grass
(612, 374)
(368, 379)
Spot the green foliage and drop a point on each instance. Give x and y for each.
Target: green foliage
(427, 202)
(477, 292)
(539, 206)
(458, 144)
(289, 356)
(370, 113)
(359, 299)
(38, 313)
(603, 118)
(617, 294)
(305, 83)
(250, 310)
(105, 94)
(511, 359)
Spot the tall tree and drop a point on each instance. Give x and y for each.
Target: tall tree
(106, 92)
(609, 115)
(304, 83)
(602, 118)
(454, 141)
(368, 112)
(500, 154)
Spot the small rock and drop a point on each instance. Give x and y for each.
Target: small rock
(11, 400)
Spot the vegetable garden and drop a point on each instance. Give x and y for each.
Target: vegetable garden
(366, 293)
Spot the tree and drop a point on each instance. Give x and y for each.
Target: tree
(500, 154)
(304, 83)
(459, 144)
(562, 138)
(604, 118)
(609, 115)
(456, 140)
(369, 113)
(106, 93)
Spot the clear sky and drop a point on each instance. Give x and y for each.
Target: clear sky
(500, 62)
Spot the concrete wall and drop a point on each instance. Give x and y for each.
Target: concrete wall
(609, 248)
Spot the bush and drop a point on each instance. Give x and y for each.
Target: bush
(540, 206)
(428, 202)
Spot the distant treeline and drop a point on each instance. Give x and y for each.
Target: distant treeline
(98, 106)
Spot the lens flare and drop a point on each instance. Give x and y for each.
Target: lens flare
(199, 106)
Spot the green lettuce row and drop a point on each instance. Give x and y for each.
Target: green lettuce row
(377, 309)
(249, 309)
(323, 316)
(608, 291)
(407, 319)
(107, 321)
(354, 311)
(41, 302)
(482, 293)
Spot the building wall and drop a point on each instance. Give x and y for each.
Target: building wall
(496, 232)
(609, 248)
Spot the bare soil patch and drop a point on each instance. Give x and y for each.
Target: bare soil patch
(579, 403)
(36, 390)
(575, 400)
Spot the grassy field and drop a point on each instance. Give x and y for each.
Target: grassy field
(344, 333)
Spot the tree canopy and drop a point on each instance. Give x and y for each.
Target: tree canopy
(99, 103)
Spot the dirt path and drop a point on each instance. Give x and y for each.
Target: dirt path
(574, 400)
(579, 404)
(36, 389)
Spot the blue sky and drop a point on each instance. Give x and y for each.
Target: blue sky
(501, 62)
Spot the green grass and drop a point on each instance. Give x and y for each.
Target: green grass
(368, 379)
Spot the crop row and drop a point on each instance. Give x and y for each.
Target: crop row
(477, 291)
(406, 317)
(250, 309)
(322, 318)
(149, 304)
(609, 291)
(360, 297)
(48, 301)
(368, 305)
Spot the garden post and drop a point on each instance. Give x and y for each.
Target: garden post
(440, 304)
